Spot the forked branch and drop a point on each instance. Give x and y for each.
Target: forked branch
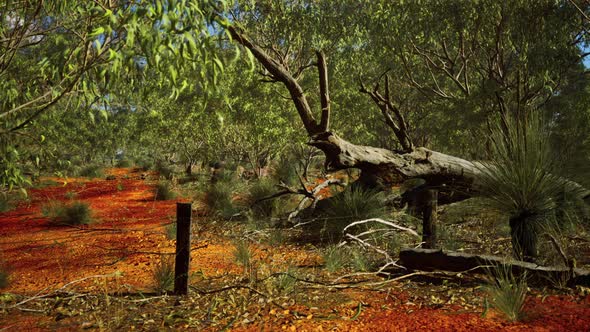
(387, 107)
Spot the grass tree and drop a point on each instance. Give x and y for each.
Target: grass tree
(521, 180)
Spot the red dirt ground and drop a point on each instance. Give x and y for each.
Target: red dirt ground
(129, 236)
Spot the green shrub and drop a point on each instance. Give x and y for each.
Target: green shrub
(267, 208)
(334, 258)
(507, 292)
(285, 282)
(124, 163)
(171, 231)
(145, 164)
(360, 259)
(286, 171)
(6, 202)
(75, 213)
(163, 192)
(165, 171)
(242, 253)
(219, 199)
(91, 171)
(351, 205)
(163, 274)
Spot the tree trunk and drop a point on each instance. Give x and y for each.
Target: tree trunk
(454, 177)
(189, 169)
(428, 200)
(523, 230)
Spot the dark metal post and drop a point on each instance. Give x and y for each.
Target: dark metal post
(183, 248)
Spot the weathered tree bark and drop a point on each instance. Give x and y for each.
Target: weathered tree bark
(453, 177)
(524, 236)
(433, 259)
(428, 200)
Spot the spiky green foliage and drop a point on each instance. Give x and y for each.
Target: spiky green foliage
(507, 292)
(356, 204)
(171, 230)
(242, 253)
(219, 199)
(74, 213)
(360, 260)
(163, 192)
(163, 274)
(165, 171)
(286, 170)
(285, 282)
(521, 180)
(334, 258)
(91, 171)
(351, 205)
(124, 163)
(266, 208)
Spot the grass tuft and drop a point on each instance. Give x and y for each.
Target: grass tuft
(163, 192)
(507, 292)
(334, 258)
(75, 213)
(242, 253)
(163, 274)
(267, 208)
(219, 199)
(91, 171)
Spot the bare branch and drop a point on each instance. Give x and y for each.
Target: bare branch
(324, 91)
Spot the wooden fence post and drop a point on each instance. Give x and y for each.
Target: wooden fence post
(183, 248)
(429, 202)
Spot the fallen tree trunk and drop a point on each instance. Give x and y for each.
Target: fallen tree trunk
(454, 177)
(432, 259)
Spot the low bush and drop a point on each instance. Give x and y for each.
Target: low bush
(91, 171)
(242, 253)
(163, 192)
(75, 213)
(165, 171)
(267, 208)
(163, 274)
(507, 292)
(124, 163)
(219, 199)
(351, 205)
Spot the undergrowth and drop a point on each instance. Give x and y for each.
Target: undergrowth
(267, 208)
(219, 199)
(91, 171)
(163, 274)
(74, 213)
(507, 292)
(163, 192)
(242, 253)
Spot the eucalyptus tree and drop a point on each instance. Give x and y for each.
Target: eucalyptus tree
(75, 50)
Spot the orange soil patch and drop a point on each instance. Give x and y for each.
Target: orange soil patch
(127, 237)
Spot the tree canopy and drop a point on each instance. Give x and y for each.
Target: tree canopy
(168, 76)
